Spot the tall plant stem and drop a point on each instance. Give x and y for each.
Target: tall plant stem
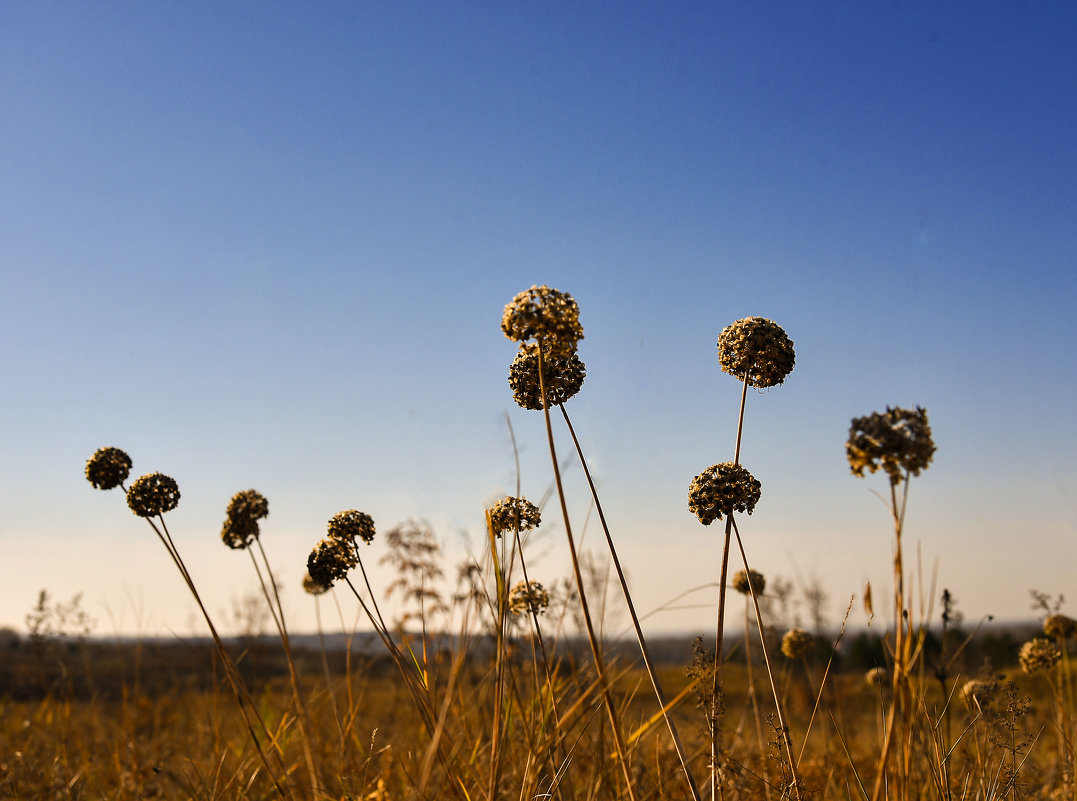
(787, 739)
(647, 661)
(719, 634)
(592, 640)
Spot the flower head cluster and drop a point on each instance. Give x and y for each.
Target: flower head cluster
(1060, 627)
(153, 495)
(244, 511)
(722, 489)
(1038, 654)
(897, 440)
(510, 513)
(108, 468)
(979, 693)
(548, 316)
(740, 582)
(562, 376)
(352, 526)
(757, 350)
(330, 561)
(528, 598)
(797, 644)
(877, 677)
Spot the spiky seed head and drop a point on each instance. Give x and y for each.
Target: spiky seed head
(548, 316)
(330, 561)
(527, 598)
(244, 511)
(722, 489)
(797, 644)
(1038, 654)
(509, 512)
(897, 441)
(352, 526)
(740, 582)
(756, 348)
(108, 468)
(563, 377)
(153, 494)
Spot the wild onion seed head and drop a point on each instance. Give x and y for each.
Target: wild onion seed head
(722, 489)
(897, 441)
(351, 526)
(108, 468)
(1038, 654)
(312, 587)
(797, 644)
(756, 348)
(563, 377)
(153, 494)
(548, 316)
(509, 512)
(245, 509)
(877, 677)
(1060, 627)
(740, 582)
(526, 598)
(979, 693)
(330, 561)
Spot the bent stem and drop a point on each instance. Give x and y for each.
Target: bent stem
(592, 640)
(647, 661)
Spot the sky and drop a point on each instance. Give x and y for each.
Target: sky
(268, 245)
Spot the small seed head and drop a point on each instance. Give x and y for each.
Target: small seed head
(527, 598)
(797, 644)
(312, 587)
(563, 378)
(508, 513)
(244, 511)
(330, 561)
(548, 316)
(352, 526)
(757, 348)
(877, 677)
(1060, 627)
(108, 468)
(1038, 654)
(740, 582)
(722, 489)
(979, 693)
(153, 494)
(897, 440)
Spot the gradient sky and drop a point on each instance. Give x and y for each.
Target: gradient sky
(268, 245)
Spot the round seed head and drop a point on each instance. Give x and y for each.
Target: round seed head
(508, 513)
(330, 561)
(244, 511)
(740, 582)
(563, 377)
(153, 494)
(108, 468)
(756, 348)
(722, 489)
(548, 316)
(248, 503)
(1060, 627)
(797, 644)
(1038, 654)
(877, 677)
(351, 526)
(979, 693)
(311, 587)
(897, 440)
(527, 598)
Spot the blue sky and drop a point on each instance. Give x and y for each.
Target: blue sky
(268, 245)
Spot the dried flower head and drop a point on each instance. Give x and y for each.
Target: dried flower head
(797, 644)
(244, 511)
(1060, 627)
(548, 316)
(1038, 654)
(108, 468)
(897, 440)
(351, 526)
(528, 598)
(330, 561)
(508, 513)
(756, 348)
(722, 489)
(979, 693)
(562, 375)
(312, 587)
(740, 582)
(877, 677)
(153, 494)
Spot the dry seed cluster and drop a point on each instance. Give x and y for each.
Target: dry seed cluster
(352, 526)
(756, 349)
(527, 598)
(153, 495)
(897, 441)
(722, 489)
(1060, 627)
(108, 468)
(548, 316)
(1038, 654)
(740, 582)
(797, 644)
(510, 513)
(562, 376)
(244, 511)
